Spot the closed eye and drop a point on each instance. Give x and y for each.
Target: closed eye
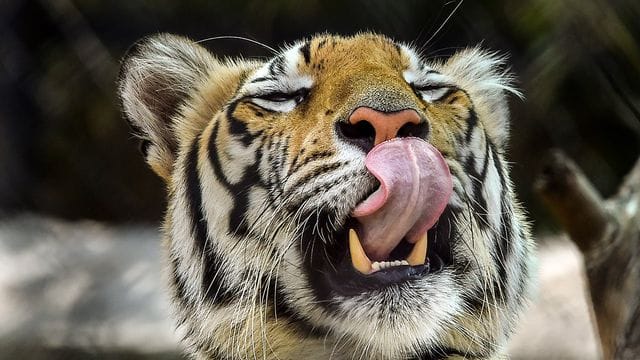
(280, 101)
(433, 92)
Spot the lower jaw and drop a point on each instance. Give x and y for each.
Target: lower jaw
(347, 281)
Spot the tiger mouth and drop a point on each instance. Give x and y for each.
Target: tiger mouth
(364, 265)
(351, 275)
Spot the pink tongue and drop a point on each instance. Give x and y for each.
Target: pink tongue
(415, 185)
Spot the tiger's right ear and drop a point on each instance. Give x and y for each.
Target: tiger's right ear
(158, 74)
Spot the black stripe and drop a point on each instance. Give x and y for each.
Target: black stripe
(194, 194)
(214, 289)
(498, 164)
(238, 128)
(319, 189)
(212, 286)
(180, 287)
(504, 244)
(501, 253)
(315, 260)
(487, 158)
(306, 52)
(237, 221)
(213, 157)
(295, 166)
(277, 163)
(240, 190)
(262, 79)
(472, 122)
(277, 66)
(317, 171)
(447, 93)
(478, 201)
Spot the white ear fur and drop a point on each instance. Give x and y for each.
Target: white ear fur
(158, 74)
(486, 79)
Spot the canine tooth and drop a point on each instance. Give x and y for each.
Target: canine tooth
(419, 253)
(359, 258)
(404, 262)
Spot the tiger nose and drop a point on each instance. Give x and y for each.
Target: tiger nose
(367, 127)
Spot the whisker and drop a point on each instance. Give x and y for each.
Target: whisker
(455, 9)
(234, 37)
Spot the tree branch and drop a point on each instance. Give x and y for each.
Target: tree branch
(608, 234)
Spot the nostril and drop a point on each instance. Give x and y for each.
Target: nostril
(418, 130)
(361, 134)
(360, 130)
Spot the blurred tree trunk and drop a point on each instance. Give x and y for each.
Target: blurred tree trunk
(607, 232)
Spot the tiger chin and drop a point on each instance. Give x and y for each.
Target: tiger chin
(344, 199)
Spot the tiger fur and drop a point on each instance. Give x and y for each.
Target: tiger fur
(261, 183)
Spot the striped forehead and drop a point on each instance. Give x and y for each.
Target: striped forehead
(286, 63)
(280, 73)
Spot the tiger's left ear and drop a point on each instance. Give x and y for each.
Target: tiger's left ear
(488, 81)
(158, 74)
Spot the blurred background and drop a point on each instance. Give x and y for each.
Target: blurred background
(71, 174)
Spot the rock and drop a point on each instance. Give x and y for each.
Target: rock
(557, 324)
(83, 286)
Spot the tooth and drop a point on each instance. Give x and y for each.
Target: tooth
(375, 266)
(359, 259)
(419, 253)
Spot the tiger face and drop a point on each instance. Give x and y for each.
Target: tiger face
(344, 199)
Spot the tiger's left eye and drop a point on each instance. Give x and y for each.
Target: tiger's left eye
(433, 93)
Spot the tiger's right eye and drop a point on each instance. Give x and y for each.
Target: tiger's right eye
(280, 101)
(298, 96)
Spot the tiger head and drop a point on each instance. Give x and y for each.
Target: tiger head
(343, 199)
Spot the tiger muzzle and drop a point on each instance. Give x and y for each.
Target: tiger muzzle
(415, 186)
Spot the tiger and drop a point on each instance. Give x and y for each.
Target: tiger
(346, 198)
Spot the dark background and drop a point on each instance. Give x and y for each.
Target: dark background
(65, 150)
